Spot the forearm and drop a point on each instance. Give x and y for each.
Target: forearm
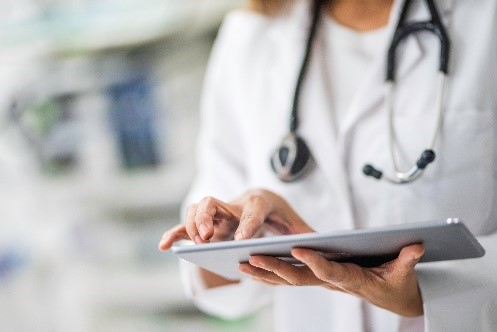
(212, 280)
(232, 301)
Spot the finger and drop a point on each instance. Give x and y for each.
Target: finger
(191, 226)
(343, 276)
(174, 234)
(204, 217)
(267, 282)
(253, 216)
(262, 275)
(294, 275)
(408, 258)
(208, 210)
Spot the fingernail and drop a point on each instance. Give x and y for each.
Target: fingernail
(297, 252)
(257, 264)
(161, 243)
(261, 266)
(202, 230)
(239, 235)
(244, 269)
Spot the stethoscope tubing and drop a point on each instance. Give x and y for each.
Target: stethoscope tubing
(415, 171)
(403, 30)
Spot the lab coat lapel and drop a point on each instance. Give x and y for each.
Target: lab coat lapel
(317, 126)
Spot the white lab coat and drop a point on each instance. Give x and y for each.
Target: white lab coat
(245, 113)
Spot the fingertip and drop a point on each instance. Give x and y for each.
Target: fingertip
(198, 240)
(257, 261)
(164, 243)
(244, 268)
(297, 252)
(409, 256)
(203, 230)
(414, 252)
(421, 248)
(242, 234)
(307, 256)
(301, 253)
(164, 246)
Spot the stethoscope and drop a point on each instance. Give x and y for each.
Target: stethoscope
(293, 159)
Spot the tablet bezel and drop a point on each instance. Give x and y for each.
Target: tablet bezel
(443, 240)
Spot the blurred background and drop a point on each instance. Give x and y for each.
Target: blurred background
(98, 120)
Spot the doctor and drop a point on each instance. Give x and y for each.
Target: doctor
(346, 118)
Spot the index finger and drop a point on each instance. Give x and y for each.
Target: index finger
(201, 222)
(346, 277)
(254, 213)
(190, 224)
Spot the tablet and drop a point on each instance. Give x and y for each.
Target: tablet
(443, 240)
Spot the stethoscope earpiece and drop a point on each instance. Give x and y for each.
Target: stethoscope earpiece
(292, 159)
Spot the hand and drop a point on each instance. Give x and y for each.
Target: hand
(392, 286)
(253, 213)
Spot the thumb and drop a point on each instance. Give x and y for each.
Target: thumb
(174, 234)
(408, 258)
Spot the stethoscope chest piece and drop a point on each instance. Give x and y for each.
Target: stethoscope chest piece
(293, 159)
